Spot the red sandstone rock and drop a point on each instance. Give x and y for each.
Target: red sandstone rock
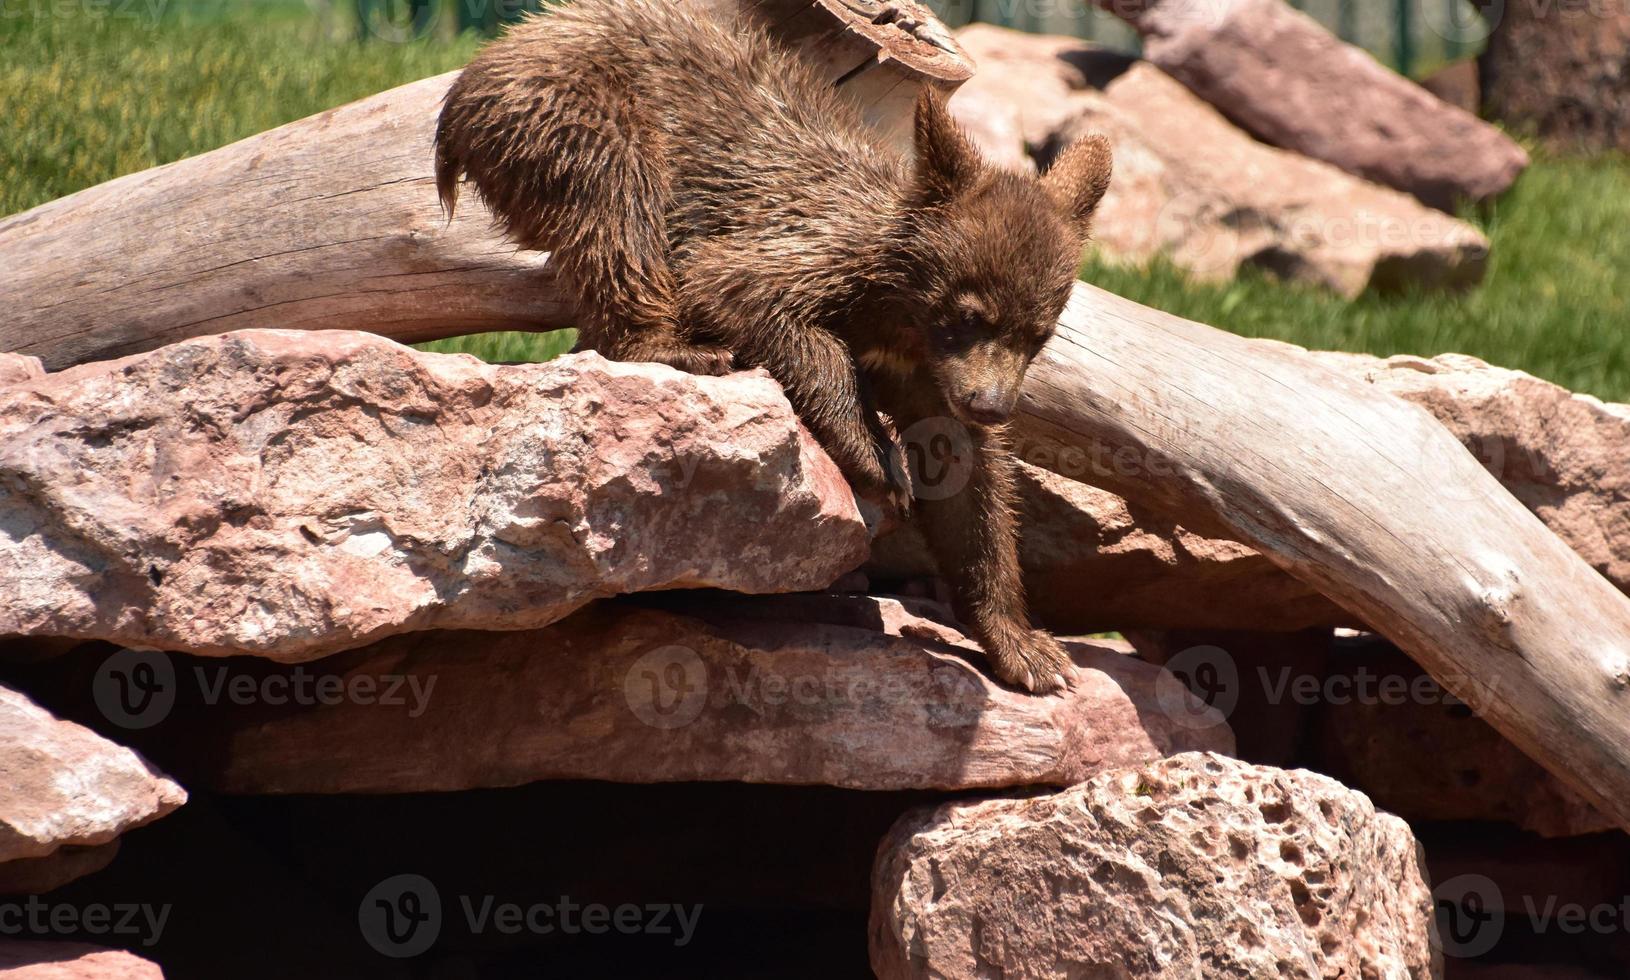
(1420, 753)
(1194, 866)
(1190, 185)
(846, 691)
(294, 493)
(1280, 76)
(19, 367)
(63, 785)
(35, 876)
(25, 960)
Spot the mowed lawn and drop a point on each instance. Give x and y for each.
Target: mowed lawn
(92, 91)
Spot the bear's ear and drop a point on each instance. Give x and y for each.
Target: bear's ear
(1078, 179)
(946, 161)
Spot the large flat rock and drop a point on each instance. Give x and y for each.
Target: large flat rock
(846, 691)
(1194, 866)
(292, 493)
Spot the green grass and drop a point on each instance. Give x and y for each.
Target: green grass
(89, 96)
(507, 347)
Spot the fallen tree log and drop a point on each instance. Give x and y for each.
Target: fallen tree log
(1363, 496)
(331, 221)
(1559, 453)
(1356, 493)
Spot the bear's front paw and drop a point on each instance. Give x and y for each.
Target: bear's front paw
(1029, 659)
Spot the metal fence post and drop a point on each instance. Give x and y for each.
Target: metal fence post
(1404, 40)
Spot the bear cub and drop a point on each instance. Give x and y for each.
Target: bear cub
(713, 204)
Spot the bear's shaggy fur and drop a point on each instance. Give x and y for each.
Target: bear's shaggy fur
(713, 203)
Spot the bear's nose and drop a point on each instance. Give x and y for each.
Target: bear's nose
(989, 406)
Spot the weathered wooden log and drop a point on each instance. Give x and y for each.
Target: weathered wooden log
(333, 222)
(1361, 495)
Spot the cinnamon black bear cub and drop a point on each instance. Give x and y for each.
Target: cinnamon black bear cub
(713, 203)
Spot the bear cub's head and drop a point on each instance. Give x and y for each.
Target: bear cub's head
(993, 256)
